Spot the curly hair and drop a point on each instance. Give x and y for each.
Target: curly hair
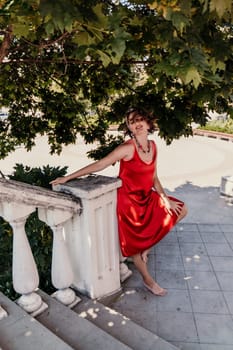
(142, 113)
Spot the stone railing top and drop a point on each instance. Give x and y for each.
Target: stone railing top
(23, 193)
(90, 186)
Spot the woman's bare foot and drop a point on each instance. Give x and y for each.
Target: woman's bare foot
(156, 289)
(144, 255)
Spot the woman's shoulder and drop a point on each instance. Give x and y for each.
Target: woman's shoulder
(128, 149)
(128, 142)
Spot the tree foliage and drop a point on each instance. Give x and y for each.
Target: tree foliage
(69, 67)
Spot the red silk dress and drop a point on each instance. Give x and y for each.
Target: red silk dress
(142, 217)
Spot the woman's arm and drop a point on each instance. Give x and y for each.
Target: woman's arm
(170, 204)
(118, 153)
(159, 188)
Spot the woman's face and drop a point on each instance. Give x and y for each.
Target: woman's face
(137, 123)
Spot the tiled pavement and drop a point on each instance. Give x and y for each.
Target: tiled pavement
(195, 263)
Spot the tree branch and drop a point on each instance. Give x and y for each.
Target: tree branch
(4, 48)
(73, 61)
(2, 175)
(47, 43)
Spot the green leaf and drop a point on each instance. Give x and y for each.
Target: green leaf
(106, 59)
(59, 23)
(215, 65)
(20, 29)
(96, 33)
(49, 28)
(220, 6)
(84, 38)
(102, 20)
(118, 48)
(179, 20)
(185, 7)
(192, 75)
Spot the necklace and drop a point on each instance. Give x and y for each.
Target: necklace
(140, 148)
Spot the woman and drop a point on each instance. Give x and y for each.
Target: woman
(145, 213)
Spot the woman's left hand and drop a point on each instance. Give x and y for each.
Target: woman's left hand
(172, 206)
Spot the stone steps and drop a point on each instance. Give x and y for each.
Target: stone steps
(79, 333)
(120, 327)
(89, 325)
(19, 331)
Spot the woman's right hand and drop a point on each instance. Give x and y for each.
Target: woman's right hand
(59, 180)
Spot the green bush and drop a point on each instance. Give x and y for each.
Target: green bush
(6, 259)
(219, 125)
(38, 233)
(37, 176)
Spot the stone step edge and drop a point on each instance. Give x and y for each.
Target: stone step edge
(21, 331)
(73, 329)
(121, 327)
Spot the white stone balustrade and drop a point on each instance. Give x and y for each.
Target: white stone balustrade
(17, 202)
(82, 216)
(93, 239)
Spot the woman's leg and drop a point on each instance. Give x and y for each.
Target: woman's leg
(144, 255)
(140, 261)
(149, 282)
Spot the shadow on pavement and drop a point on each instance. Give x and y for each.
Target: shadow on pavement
(205, 204)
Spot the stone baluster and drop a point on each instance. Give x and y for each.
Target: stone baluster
(226, 189)
(61, 270)
(3, 313)
(25, 274)
(125, 272)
